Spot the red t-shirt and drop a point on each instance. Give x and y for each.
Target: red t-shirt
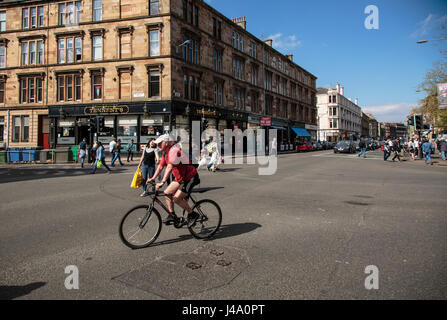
(182, 171)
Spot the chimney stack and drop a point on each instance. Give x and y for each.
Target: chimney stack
(290, 56)
(357, 101)
(241, 22)
(338, 87)
(269, 42)
(342, 90)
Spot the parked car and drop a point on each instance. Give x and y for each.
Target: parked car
(301, 147)
(357, 145)
(310, 146)
(318, 146)
(344, 146)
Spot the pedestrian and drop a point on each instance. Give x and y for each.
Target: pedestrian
(100, 156)
(411, 148)
(111, 147)
(130, 150)
(427, 149)
(93, 153)
(362, 146)
(147, 163)
(396, 149)
(116, 153)
(83, 151)
(386, 150)
(443, 148)
(274, 150)
(212, 165)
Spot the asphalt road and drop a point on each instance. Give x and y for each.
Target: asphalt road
(307, 232)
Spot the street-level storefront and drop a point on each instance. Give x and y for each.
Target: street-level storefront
(138, 121)
(209, 117)
(312, 129)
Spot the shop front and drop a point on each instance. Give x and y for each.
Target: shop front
(312, 129)
(139, 122)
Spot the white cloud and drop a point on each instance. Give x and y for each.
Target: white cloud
(282, 42)
(390, 112)
(431, 22)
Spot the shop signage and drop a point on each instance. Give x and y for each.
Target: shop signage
(311, 127)
(266, 121)
(106, 109)
(203, 112)
(138, 95)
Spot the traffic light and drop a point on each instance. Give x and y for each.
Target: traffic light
(100, 123)
(418, 122)
(92, 124)
(205, 124)
(411, 121)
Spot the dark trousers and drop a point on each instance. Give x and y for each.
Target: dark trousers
(129, 155)
(386, 155)
(396, 155)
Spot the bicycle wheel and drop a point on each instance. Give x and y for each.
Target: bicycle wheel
(140, 227)
(210, 218)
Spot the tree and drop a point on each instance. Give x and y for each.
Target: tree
(429, 106)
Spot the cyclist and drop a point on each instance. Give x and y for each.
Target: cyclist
(185, 174)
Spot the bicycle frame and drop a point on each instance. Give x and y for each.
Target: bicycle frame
(155, 199)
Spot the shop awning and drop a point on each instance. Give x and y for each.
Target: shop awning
(300, 132)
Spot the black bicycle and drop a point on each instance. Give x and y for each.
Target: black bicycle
(141, 226)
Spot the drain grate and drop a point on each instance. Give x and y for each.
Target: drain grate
(223, 263)
(216, 252)
(193, 266)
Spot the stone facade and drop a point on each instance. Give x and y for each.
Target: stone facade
(123, 63)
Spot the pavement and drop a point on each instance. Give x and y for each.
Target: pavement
(310, 231)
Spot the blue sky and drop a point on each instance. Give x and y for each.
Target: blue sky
(328, 38)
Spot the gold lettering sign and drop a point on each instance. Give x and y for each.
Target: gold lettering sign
(206, 113)
(106, 109)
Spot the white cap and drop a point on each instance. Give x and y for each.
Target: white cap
(164, 137)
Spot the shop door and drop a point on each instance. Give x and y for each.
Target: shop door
(44, 132)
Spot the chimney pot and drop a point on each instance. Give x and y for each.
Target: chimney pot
(269, 42)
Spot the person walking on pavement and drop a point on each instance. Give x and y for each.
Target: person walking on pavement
(386, 150)
(116, 153)
(147, 163)
(130, 150)
(396, 149)
(100, 156)
(411, 148)
(362, 146)
(443, 148)
(111, 147)
(274, 150)
(93, 153)
(427, 149)
(83, 151)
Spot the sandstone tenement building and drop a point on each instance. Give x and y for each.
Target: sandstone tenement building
(146, 66)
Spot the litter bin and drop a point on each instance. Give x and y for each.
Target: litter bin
(62, 155)
(2, 157)
(74, 156)
(15, 154)
(30, 154)
(43, 156)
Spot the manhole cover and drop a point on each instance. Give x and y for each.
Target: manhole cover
(156, 277)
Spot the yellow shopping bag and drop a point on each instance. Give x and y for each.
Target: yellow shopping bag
(137, 179)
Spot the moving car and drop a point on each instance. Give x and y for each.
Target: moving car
(344, 146)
